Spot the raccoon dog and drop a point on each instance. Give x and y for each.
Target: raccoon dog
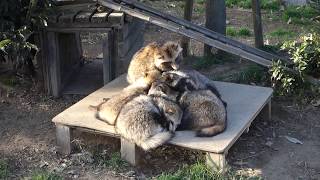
(148, 122)
(154, 57)
(188, 80)
(109, 109)
(203, 111)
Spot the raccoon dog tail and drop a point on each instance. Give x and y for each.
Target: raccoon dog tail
(156, 140)
(211, 130)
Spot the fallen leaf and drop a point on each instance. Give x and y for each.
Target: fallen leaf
(293, 140)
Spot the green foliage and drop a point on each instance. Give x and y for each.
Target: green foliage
(244, 32)
(265, 4)
(233, 32)
(315, 4)
(18, 18)
(114, 162)
(44, 175)
(283, 33)
(200, 171)
(302, 15)
(306, 58)
(251, 74)
(4, 169)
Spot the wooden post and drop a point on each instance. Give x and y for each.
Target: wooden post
(63, 134)
(185, 42)
(217, 161)
(107, 57)
(256, 14)
(130, 152)
(215, 19)
(54, 63)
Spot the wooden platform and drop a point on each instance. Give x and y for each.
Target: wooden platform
(244, 104)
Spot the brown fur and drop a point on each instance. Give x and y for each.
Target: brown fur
(154, 57)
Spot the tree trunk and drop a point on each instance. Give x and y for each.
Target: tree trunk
(185, 42)
(215, 19)
(256, 14)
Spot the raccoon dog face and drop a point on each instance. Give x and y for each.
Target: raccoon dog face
(173, 114)
(169, 57)
(161, 89)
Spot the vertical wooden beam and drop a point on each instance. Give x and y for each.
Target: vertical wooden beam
(215, 19)
(63, 134)
(257, 23)
(54, 63)
(107, 48)
(217, 161)
(185, 42)
(130, 152)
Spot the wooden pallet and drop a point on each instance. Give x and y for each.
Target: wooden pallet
(244, 104)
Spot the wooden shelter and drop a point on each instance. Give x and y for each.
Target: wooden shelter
(61, 44)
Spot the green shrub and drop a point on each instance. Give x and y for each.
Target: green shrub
(231, 31)
(252, 74)
(306, 58)
(281, 32)
(115, 161)
(244, 32)
(299, 14)
(265, 4)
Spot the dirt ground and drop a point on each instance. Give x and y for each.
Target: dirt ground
(27, 137)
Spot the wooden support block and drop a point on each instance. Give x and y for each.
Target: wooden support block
(265, 113)
(116, 18)
(130, 152)
(63, 134)
(84, 16)
(217, 161)
(100, 17)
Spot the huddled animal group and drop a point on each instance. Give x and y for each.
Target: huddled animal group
(162, 98)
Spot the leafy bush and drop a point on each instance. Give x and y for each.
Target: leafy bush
(305, 55)
(243, 31)
(18, 19)
(299, 14)
(44, 175)
(265, 4)
(315, 4)
(4, 169)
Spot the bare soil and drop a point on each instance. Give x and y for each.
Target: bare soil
(27, 135)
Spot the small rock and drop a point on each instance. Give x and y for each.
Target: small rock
(269, 143)
(227, 22)
(43, 164)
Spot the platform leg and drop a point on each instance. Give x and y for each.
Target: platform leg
(217, 161)
(130, 152)
(63, 134)
(266, 112)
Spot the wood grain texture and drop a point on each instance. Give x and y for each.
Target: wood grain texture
(244, 104)
(63, 135)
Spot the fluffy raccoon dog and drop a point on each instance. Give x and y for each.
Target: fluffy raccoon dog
(148, 122)
(109, 109)
(154, 57)
(161, 89)
(204, 112)
(189, 80)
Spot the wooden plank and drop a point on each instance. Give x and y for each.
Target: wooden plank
(67, 18)
(80, 25)
(125, 46)
(116, 18)
(244, 104)
(63, 135)
(129, 28)
(203, 30)
(215, 21)
(185, 42)
(187, 32)
(54, 63)
(100, 17)
(85, 15)
(217, 162)
(75, 29)
(257, 24)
